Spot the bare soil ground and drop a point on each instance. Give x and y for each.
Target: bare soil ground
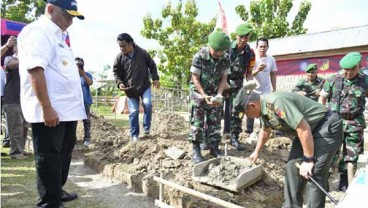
(95, 190)
(111, 145)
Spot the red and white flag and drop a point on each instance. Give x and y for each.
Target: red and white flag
(221, 19)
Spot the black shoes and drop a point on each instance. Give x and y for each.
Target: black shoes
(214, 149)
(6, 142)
(343, 185)
(196, 154)
(235, 142)
(205, 145)
(65, 196)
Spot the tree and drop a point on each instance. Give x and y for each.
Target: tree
(269, 18)
(22, 10)
(179, 41)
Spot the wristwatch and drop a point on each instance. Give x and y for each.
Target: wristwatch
(309, 159)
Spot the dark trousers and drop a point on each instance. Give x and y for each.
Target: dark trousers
(53, 147)
(327, 136)
(87, 123)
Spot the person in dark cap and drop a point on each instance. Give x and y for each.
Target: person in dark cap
(317, 135)
(51, 97)
(312, 85)
(209, 71)
(68, 6)
(345, 93)
(242, 59)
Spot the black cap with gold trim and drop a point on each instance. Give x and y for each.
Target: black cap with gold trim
(69, 6)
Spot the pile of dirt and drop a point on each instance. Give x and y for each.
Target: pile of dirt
(169, 125)
(112, 144)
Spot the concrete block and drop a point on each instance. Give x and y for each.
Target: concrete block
(150, 187)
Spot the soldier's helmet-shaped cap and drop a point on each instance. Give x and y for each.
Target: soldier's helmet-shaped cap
(219, 41)
(69, 6)
(243, 29)
(311, 67)
(350, 60)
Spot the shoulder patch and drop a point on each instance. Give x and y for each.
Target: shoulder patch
(279, 112)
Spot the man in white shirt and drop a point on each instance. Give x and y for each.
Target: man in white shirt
(51, 97)
(264, 73)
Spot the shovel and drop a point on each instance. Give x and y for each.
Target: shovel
(319, 186)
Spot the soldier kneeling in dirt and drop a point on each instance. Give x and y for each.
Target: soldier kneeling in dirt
(209, 70)
(318, 135)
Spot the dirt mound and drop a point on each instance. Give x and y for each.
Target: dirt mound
(166, 125)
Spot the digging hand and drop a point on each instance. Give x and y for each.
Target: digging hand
(253, 157)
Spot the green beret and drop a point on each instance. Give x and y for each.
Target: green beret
(311, 67)
(241, 100)
(350, 60)
(243, 29)
(219, 41)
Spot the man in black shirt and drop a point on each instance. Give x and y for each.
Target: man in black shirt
(132, 69)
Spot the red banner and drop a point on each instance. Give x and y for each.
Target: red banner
(329, 64)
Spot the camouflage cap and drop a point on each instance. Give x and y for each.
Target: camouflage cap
(241, 100)
(243, 29)
(350, 60)
(219, 41)
(311, 67)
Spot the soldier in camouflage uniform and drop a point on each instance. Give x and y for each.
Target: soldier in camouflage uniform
(242, 59)
(209, 71)
(312, 85)
(317, 132)
(346, 92)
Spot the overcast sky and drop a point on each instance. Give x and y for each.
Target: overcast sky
(94, 38)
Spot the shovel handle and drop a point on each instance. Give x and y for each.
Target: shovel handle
(319, 186)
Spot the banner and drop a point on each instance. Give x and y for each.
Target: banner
(326, 65)
(221, 19)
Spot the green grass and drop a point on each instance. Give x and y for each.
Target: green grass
(17, 181)
(18, 185)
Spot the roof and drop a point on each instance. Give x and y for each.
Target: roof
(321, 41)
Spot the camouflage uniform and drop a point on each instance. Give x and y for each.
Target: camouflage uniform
(240, 62)
(312, 89)
(211, 72)
(284, 111)
(352, 101)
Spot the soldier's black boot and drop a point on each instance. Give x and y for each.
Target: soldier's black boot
(196, 154)
(204, 145)
(343, 184)
(234, 141)
(214, 149)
